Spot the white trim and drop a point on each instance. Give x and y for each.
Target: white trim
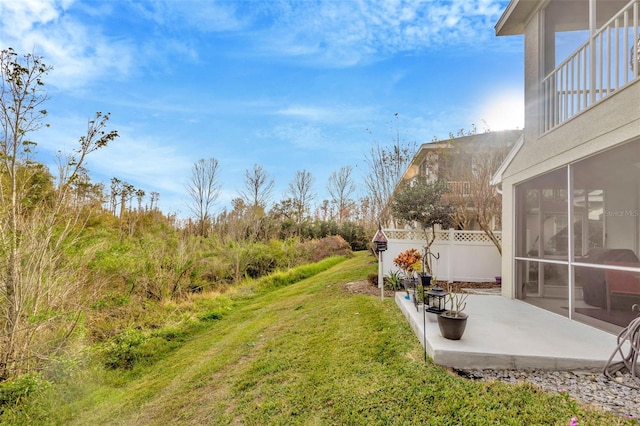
(496, 179)
(570, 239)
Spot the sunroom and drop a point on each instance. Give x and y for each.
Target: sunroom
(571, 188)
(580, 224)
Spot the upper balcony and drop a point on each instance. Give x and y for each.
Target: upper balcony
(606, 62)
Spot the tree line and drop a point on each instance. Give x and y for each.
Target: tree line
(71, 248)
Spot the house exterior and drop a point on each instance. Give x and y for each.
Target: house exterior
(466, 253)
(571, 186)
(460, 163)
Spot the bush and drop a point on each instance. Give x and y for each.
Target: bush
(15, 390)
(373, 278)
(327, 247)
(135, 347)
(393, 281)
(284, 278)
(122, 351)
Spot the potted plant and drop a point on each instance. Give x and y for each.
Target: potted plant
(410, 262)
(425, 279)
(453, 321)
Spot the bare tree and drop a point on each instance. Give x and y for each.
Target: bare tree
(21, 96)
(115, 188)
(301, 192)
(39, 280)
(153, 200)
(204, 189)
(386, 164)
(140, 196)
(469, 169)
(341, 187)
(258, 187)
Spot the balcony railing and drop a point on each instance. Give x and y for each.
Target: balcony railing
(606, 62)
(459, 188)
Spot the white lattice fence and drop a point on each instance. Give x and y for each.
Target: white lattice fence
(474, 237)
(464, 255)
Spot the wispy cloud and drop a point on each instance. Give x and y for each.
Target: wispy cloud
(79, 52)
(76, 37)
(347, 33)
(301, 136)
(145, 161)
(320, 114)
(204, 16)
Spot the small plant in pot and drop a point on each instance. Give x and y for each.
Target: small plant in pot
(409, 261)
(453, 322)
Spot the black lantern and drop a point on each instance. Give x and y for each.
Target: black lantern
(436, 300)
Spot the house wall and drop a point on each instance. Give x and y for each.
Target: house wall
(464, 255)
(613, 121)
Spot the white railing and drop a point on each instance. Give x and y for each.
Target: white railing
(459, 188)
(606, 62)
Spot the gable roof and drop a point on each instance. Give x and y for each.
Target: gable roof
(495, 138)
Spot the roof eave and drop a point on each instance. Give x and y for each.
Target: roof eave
(514, 17)
(496, 179)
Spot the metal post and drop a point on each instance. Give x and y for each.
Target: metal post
(380, 277)
(424, 324)
(380, 242)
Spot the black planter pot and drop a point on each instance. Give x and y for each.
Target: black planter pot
(425, 280)
(452, 327)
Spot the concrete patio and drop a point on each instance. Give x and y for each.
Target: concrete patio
(504, 333)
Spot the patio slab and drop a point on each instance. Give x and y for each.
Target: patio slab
(505, 333)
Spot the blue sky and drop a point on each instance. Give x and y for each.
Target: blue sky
(288, 85)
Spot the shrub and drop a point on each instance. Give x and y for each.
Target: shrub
(210, 316)
(326, 247)
(122, 351)
(135, 347)
(373, 278)
(393, 281)
(284, 278)
(13, 391)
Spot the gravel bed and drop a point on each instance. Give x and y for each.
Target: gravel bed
(588, 387)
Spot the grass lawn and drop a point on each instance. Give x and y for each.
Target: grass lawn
(309, 353)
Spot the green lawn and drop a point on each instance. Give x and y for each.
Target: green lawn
(308, 353)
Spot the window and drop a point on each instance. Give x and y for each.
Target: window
(603, 253)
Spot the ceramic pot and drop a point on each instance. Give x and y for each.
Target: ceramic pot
(452, 327)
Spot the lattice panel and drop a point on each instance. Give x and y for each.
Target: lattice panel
(458, 236)
(467, 237)
(404, 234)
(442, 236)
